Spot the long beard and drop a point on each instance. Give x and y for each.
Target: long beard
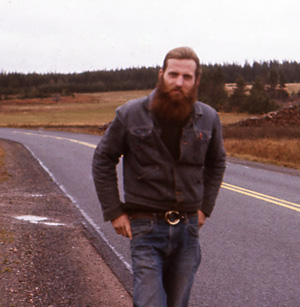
(172, 109)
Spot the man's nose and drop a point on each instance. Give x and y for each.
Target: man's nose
(179, 81)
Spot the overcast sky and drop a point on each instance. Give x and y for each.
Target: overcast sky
(79, 35)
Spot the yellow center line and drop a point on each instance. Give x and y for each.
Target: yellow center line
(264, 197)
(227, 185)
(60, 138)
(237, 189)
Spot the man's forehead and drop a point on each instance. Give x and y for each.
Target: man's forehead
(186, 64)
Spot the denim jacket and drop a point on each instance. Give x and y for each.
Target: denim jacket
(153, 180)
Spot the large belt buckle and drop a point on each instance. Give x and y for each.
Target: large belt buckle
(169, 217)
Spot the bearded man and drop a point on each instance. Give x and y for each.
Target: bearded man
(173, 165)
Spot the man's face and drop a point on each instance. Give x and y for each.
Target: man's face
(179, 77)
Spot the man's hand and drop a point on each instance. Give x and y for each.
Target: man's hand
(122, 226)
(201, 218)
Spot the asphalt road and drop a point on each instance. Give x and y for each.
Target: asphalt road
(250, 245)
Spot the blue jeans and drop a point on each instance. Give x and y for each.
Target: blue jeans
(165, 259)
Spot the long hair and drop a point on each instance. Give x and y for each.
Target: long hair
(183, 53)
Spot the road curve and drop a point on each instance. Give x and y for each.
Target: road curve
(250, 245)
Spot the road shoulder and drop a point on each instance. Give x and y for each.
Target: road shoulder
(46, 262)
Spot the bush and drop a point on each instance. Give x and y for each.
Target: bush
(259, 101)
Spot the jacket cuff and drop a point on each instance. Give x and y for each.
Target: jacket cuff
(207, 209)
(114, 213)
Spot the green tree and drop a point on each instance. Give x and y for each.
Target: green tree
(282, 80)
(212, 88)
(282, 94)
(258, 101)
(239, 96)
(273, 81)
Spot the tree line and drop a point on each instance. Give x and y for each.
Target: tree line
(266, 92)
(268, 81)
(44, 85)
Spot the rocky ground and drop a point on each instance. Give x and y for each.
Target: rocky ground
(288, 116)
(49, 262)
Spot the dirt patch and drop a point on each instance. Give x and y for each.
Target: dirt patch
(46, 262)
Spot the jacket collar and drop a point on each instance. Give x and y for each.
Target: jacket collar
(198, 110)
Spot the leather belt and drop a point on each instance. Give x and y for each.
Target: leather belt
(172, 217)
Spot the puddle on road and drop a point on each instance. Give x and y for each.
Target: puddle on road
(37, 220)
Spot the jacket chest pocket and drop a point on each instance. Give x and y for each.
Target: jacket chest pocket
(142, 142)
(195, 146)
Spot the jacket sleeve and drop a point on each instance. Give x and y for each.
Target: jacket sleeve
(215, 163)
(105, 160)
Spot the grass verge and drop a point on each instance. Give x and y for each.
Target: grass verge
(276, 145)
(3, 172)
(281, 152)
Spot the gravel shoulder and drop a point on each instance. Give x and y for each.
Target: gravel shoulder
(49, 262)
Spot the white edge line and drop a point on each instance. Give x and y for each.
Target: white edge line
(83, 213)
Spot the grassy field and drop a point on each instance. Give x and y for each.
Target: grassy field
(82, 109)
(276, 145)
